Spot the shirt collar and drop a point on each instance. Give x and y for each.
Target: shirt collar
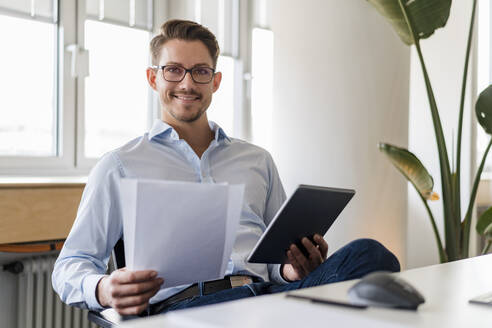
(219, 132)
(161, 129)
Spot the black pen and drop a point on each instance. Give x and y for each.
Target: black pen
(325, 301)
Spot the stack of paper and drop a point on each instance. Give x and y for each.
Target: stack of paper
(183, 230)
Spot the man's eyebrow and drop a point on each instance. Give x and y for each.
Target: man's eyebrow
(196, 65)
(201, 64)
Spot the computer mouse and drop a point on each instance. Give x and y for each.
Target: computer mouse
(384, 289)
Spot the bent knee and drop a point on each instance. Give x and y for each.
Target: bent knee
(377, 252)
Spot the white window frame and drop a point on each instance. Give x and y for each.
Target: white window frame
(69, 159)
(82, 162)
(70, 128)
(255, 14)
(23, 165)
(238, 50)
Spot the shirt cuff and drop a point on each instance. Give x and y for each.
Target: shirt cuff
(275, 275)
(89, 290)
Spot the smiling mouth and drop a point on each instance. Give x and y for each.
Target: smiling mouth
(186, 98)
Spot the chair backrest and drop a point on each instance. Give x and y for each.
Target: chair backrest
(119, 254)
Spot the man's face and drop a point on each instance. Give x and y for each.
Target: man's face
(184, 101)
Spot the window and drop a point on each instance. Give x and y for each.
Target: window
(221, 110)
(75, 75)
(29, 122)
(116, 97)
(220, 16)
(62, 112)
(262, 88)
(261, 79)
(116, 91)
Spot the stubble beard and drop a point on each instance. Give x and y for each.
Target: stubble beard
(185, 119)
(175, 111)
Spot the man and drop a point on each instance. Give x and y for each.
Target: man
(185, 146)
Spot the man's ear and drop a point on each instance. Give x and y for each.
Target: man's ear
(151, 77)
(217, 79)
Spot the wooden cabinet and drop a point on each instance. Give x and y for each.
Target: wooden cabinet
(32, 212)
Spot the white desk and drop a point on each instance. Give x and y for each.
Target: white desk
(446, 288)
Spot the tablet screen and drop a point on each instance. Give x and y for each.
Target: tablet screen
(309, 210)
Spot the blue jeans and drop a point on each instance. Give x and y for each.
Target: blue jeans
(353, 261)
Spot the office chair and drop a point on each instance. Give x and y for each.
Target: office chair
(118, 261)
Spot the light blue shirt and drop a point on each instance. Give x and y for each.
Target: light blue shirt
(160, 154)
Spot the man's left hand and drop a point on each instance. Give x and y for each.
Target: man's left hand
(299, 266)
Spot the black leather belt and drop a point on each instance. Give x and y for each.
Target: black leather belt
(209, 287)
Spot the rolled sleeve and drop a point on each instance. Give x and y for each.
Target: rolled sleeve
(275, 275)
(89, 291)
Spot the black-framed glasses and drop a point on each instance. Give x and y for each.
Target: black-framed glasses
(176, 73)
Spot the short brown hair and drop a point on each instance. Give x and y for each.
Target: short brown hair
(184, 30)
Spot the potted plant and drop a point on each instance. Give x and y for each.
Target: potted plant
(413, 21)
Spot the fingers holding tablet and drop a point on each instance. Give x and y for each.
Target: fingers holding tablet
(322, 245)
(307, 260)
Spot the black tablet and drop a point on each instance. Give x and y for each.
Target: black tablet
(309, 210)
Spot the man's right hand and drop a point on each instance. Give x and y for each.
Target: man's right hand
(128, 292)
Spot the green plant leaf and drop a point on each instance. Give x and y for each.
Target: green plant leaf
(427, 16)
(412, 168)
(484, 223)
(483, 109)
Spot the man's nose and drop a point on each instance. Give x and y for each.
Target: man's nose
(187, 81)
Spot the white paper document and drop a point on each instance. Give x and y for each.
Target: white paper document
(183, 230)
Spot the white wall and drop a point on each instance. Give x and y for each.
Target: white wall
(341, 86)
(444, 54)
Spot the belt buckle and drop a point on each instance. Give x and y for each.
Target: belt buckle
(238, 281)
